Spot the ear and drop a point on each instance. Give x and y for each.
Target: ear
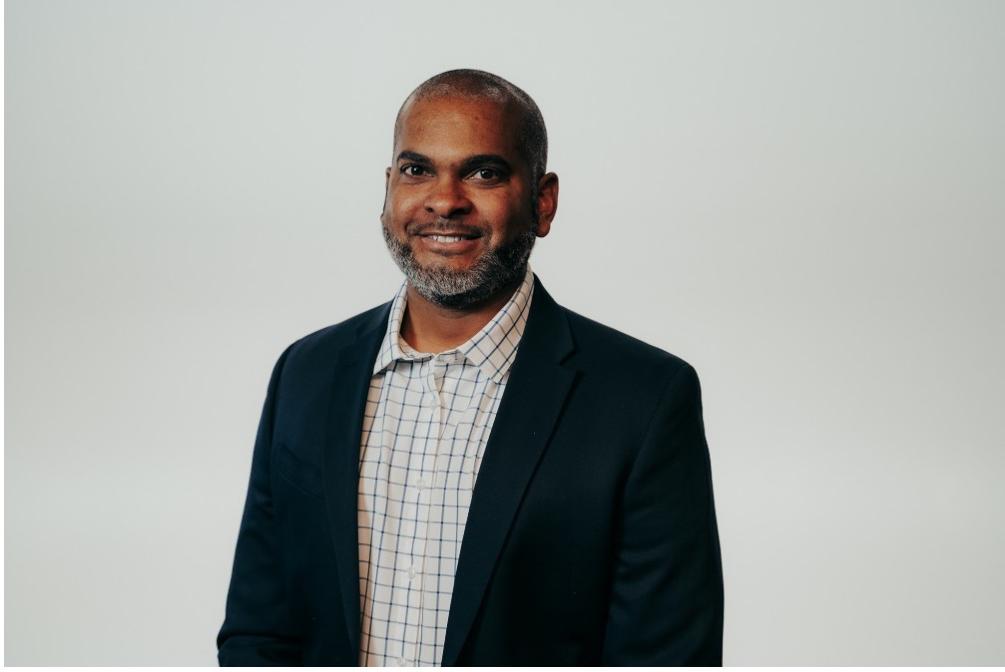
(547, 203)
(387, 185)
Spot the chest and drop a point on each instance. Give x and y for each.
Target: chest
(429, 421)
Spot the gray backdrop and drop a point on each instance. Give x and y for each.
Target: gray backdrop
(804, 200)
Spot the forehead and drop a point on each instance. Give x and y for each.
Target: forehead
(458, 125)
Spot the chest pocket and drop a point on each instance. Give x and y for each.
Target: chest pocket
(298, 473)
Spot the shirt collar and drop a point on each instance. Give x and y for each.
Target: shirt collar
(492, 349)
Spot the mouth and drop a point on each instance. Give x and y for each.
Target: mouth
(448, 238)
(449, 242)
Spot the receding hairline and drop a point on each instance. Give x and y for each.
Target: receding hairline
(508, 106)
(480, 85)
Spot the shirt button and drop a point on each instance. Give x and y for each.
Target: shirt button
(412, 572)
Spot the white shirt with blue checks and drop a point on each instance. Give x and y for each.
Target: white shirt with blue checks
(427, 420)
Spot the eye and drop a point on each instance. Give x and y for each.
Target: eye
(413, 170)
(487, 174)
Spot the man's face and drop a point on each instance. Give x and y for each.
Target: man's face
(458, 214)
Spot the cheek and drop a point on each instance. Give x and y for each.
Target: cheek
(401, 205)
(499, 209)
(511, 218)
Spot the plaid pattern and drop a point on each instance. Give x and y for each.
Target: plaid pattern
(425, 427)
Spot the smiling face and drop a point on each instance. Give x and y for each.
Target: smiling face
(459, 211)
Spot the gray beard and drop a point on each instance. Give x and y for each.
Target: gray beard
(491, 273)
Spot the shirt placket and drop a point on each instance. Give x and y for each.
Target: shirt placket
(413, 591)
(430, 586)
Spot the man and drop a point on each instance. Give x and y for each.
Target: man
(471, 474)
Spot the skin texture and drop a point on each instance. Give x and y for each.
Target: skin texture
(438, 184)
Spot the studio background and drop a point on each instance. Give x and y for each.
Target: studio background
(803, 200)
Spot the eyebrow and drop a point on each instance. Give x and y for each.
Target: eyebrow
(493, 160)
(469, 164)
(414, 156)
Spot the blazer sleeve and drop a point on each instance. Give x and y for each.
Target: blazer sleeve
(666, 603)
(257, 629)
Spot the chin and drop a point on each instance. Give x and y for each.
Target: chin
(448, 263)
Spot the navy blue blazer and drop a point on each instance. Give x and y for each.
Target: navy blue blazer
(591, 537)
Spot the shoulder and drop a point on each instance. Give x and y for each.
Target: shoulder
(610, 364)
(626, 375)
(320, 346)
(599, 346)
(623, 384)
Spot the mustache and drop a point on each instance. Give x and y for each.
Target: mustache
(443, 226)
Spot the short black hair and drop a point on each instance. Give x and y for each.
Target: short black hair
(533, 142)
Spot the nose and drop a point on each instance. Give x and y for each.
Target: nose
(447, 199)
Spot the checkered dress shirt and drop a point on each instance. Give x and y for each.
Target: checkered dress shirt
(425, 427)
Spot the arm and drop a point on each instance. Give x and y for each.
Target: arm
(257, 629)
(667, 596)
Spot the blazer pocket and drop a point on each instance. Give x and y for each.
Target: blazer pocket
(301, 475)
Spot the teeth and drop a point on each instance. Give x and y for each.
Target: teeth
(447, 239)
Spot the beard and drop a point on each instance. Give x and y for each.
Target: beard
(493, 271)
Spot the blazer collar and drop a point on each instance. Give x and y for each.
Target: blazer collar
(533, 400)
(536, 390)
(340, 459)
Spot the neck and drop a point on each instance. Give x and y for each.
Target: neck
(430, 327)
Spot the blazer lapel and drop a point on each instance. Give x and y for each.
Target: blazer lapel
(340, 461)
(535, 392)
